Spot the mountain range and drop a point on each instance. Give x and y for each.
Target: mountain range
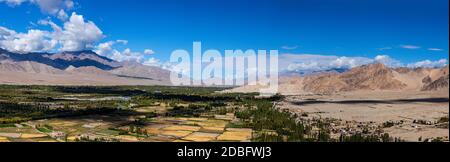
(75, 68)
(89, 68)
(372, 77)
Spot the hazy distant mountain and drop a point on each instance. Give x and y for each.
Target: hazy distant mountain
(313, 72)
(81, 67)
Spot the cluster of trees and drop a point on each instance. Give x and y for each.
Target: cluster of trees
(98, 90)
(358, 137)
(285, 126)
(192, 110)
(265, 117)
(137, 131)
(97, 139)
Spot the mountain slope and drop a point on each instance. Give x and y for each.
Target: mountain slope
(367, 77)
(441, 83)
(75, 68)
(63, 60)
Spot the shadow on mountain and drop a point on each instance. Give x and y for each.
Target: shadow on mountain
(400, 101)
(58, 63)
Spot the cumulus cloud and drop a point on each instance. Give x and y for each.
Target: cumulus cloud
(57, 8)
(53, 6)
(152, 62)
(305, 63)
(6, 33)
(106, 49)
(429, 64)
(32, 41)
(349, 62)
(388, 61)
(128, 55)
(77, 34)
(149, 52)
(13, 2)
(311, 62)
(62, 15)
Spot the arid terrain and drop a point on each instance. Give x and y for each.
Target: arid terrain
(75, 68)
(413, 114)
(411, 104)
(367, 103)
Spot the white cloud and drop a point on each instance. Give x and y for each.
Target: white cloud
(125, 42)
(348, 62)
(289, 47)
(52, 7)
(77, 34)
(6, 33)
(388, 61)
(149, 51)
(153, 62)
(128, 55)
(307, 63)
(62, 15)
(311, 62)
(32, 41)
(13, 2)
(412, 47)
(429, 64)
(106, 49)
(435, 49)
(384, 48)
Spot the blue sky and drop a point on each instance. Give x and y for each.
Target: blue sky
(406, 30)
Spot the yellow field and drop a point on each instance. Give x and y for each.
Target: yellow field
(176, 133)
(28, 136)
(4, 139)
(236, 135)
(201, 137)
(127, 138)
(182, 128)
(213, 129)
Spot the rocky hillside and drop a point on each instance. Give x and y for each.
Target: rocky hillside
(442, 81)
(368, 77)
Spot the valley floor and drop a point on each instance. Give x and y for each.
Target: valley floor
(410, 115)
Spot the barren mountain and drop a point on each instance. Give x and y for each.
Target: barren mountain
(374, 77)
(136, 70)
(75, 68)
(442, 81)
(28, 67)
(367, 77)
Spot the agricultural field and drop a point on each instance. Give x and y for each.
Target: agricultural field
(161, 114)
(120, 114)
